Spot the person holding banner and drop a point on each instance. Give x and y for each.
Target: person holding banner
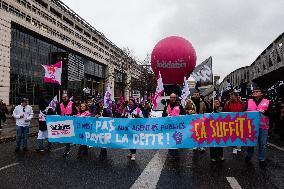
(262, 105)
(235, 105)
(174, 108)
(200, 109)
(83, 112)
(217, 152)
(132, 111)
(146, 109)
(66, 108)
(42, 133)
(100, 111)
(190, 107)
(120, 107)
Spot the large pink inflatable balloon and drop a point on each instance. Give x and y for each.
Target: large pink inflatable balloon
(175, 58)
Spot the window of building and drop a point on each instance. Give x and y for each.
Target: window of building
(269, 61)
(28, 19)
(68, 21)
(278, 58)
(42, 3)
(55, 12)
(5, 6)
(78, 28)
(24, 2)
(87, 34)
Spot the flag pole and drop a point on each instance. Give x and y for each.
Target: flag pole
(213, 95)
(59, 95)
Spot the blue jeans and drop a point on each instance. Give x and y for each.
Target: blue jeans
(40, 143)
(22, 133)
(262, 140)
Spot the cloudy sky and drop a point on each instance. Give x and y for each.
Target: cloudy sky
(233, 32)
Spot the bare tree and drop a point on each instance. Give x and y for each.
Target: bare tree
(146, 83)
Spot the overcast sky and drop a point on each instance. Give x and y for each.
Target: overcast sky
(233, 32)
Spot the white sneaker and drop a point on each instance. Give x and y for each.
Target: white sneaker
(133, 157)
(235, 151)
(239, 149)
(202, 149)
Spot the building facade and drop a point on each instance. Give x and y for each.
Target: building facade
(40, 32)
(265, 71)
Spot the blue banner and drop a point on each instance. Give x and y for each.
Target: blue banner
(199, 130)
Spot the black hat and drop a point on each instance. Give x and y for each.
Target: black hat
(216, 98)
(132, 99)
(234, 92)
(196, 91)
(258, 89)
(24, 100)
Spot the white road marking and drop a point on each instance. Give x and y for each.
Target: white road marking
(233, 183)
(277, 147)
(58, 149)
(151, 174)
(7, 166)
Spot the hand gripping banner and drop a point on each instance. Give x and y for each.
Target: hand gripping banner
(202, 130)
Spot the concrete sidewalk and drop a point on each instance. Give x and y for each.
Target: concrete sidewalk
(9, 129)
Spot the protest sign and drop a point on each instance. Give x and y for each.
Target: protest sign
(200, 130)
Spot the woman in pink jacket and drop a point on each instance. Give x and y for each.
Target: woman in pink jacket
(83, 111)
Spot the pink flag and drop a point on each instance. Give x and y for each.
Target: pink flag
(53, 73)
(159, 91)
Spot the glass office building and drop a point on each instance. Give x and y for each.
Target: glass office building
(30, 51)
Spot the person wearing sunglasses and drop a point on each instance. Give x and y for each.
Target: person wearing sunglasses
(262, 105)
(23, 114)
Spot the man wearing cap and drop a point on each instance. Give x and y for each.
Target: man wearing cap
(262, 105)
(66, 108)
(23, 114)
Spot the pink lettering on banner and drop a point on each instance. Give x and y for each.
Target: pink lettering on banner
(209, 129)
(60, 129)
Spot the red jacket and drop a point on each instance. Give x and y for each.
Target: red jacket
(234, 106)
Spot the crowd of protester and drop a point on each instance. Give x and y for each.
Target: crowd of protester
(231, 101)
